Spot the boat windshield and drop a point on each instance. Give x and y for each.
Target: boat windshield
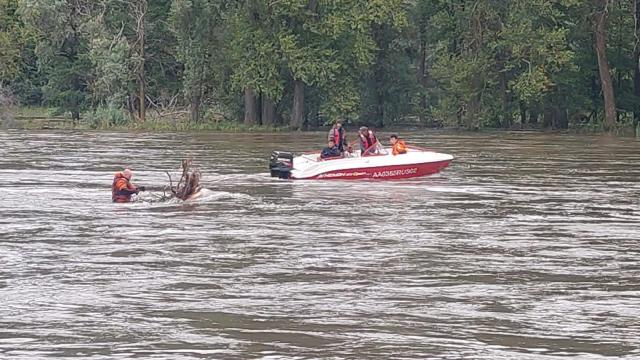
(375, 149)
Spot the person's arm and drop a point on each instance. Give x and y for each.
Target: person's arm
(132, 189)
(128, 191)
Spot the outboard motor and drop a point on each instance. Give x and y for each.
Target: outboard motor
(280, 164)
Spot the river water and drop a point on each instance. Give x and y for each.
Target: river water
(526, 247)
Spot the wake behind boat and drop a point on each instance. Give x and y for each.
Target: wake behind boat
(382, 165)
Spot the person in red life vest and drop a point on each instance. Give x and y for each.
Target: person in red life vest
(331, 151)
(122, 188)
(338, 135)
(398, 145)
(367, 141)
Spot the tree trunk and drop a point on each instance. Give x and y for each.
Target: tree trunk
(506, 117)
(131, 107)
(268, 111)
(250, 107)
(194, 109)
(474, 105)
(501, 58)
(196, 98)
(471, 121)
(142, 111)
(547, 118)
(422, 72)
(297, 113)
(595, 95)
(379, 90)
(523, 114)
(379, 98)
(561, 119)
(534, 113)
(603, 65)
(636, 60)
(140, 13)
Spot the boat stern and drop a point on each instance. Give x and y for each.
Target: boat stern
(280, 164)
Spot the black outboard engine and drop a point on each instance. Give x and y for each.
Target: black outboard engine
(280, 164)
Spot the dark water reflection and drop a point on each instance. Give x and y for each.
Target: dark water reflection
(525, 248)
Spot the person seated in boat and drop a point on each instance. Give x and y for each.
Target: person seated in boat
(339, 135)
(122, 188)
(330, 151)
(398, 145)
(367, 141)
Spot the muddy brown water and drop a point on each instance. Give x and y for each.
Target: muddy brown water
(526, 247)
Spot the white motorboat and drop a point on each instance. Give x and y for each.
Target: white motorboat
(379, 164)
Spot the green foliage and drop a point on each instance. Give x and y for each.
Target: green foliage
(11, 34)
(18, 62)
(61, 51)
(486, 63)
(199, 31)
(256, 59)
(105, 117)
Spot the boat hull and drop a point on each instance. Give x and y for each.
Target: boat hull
(382, 165)
(388, 172)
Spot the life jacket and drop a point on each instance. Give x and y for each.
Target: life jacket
(337, 135)
(368, 140)
(400, 147)
(120, 189)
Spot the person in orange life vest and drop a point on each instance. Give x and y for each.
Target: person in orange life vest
(122, 188)
(399, 147)
(331, 151)
(338, 135)
(367, 140)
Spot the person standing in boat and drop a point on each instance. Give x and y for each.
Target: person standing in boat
(122, 188)
(338, 135)
(367, 141)
(398, 145)
(331, 151)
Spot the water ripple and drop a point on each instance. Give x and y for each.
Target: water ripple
(526, 247)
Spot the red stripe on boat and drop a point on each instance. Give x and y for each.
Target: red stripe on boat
(390, 172)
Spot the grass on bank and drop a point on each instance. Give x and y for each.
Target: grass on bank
(35, 112)
(39, 118)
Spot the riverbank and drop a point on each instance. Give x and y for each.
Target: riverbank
(35, 118)
(30, 118)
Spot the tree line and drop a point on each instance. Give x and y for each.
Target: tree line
(298, 63)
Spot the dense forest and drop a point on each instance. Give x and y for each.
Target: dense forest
(303, 63)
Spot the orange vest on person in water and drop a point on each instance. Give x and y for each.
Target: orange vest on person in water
(122, 189)
(399, 147)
